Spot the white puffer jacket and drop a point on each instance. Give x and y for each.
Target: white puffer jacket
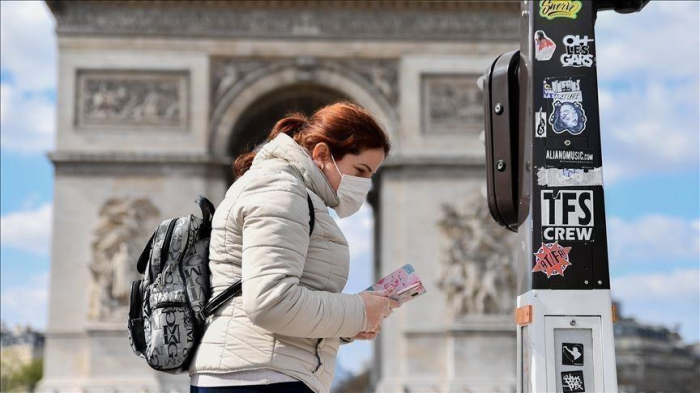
(291, 315)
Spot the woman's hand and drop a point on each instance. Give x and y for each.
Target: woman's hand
(378, 307)
(368, 335)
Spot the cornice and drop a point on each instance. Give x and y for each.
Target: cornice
(356, 20)
(72, 157)
(56, 6)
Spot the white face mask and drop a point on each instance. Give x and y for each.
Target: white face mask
(352, 192)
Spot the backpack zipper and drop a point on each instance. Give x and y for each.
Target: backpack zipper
(170, 304)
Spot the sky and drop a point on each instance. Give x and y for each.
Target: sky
(650, 126)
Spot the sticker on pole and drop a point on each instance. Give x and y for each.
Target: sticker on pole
(572, 382)
(551, 9)
(541, 124)
(568, 117)
(544, 46)
(578, 51)
(563, 90)
(571, 354)
(567, 215)
(552, 259)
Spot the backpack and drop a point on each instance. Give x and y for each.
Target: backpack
(169, 307)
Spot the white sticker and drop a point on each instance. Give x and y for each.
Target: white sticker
(567, 215)
(544, 46)
(541, 124)
(564, 90)
(578, 52)
(569, 177)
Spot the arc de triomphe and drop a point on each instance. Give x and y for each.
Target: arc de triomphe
(156, 98)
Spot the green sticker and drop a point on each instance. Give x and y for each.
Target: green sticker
(551, 9)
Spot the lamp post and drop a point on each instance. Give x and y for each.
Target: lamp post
(544, 180)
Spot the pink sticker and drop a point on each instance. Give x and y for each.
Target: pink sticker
(552, 259)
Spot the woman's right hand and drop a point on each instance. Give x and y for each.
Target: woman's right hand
(377, 306)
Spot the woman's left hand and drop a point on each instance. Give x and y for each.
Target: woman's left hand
(368, 335)
(365, 336)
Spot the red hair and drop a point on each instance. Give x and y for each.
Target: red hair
(345, 127)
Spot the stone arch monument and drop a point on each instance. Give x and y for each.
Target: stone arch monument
(156, 98)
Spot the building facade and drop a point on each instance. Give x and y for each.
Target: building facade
(654, 359)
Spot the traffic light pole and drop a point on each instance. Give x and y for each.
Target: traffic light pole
(544, 175)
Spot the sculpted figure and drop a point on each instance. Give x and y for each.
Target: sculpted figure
(477, 265)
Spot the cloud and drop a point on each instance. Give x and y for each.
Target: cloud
(653, 238)
(28, 230)
(668, 298)
(649, 89)
(28, 120)
(650, 127)
(26, 303)
(677, 286)
(628, 49)
(28, 65)
(27, 46)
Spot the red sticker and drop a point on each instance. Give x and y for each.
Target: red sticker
(552, 259)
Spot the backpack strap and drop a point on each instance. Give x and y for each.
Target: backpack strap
(237, 287)
(312, 214)
(145, 254)
(207, 214)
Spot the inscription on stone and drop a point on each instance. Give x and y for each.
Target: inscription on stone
(451, 104)
(132, 98)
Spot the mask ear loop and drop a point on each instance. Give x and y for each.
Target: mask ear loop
(323, 174)
(336, 167)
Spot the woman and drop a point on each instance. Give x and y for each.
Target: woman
(283, 332)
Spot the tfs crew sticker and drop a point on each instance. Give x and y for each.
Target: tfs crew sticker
(567, 215)
(578, 52)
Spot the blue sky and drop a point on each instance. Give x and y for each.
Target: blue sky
(649, 98)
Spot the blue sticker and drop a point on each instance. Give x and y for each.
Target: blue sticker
(568, 117)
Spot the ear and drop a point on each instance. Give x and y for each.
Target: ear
(321, 153)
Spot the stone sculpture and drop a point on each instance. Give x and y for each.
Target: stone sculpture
(477, 274)
(121, 232)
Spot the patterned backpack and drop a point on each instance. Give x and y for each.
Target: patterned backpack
(170, 305)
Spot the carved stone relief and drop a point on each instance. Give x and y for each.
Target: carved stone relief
(453, 22)
(132, 98)
(381, 74)
(452, 104)
(123, 227)
(477, 275)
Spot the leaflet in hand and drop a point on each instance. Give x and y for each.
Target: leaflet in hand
(402, 285)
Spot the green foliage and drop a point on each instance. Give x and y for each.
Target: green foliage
(19, 378)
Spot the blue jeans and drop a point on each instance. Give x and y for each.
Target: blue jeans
(287, 387)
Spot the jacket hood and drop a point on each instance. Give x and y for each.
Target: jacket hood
(286, 148)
